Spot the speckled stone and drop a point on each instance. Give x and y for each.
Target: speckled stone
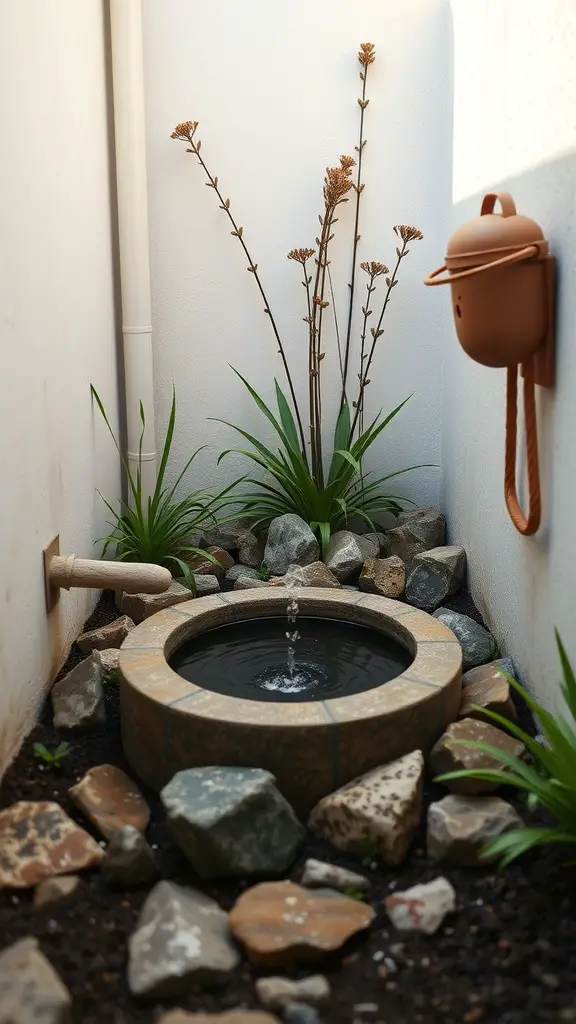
(78, 698)
(30, 990)
(38, 840)
(383, 576)
(181, 940)
(232, 822)
(290, 540)
(377, 814)
(110, 799)
(281, 923)
(237, 572)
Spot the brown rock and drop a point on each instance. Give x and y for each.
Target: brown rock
(383, 576)
(112, 635)
(488, 689)
(37, 840)
(50, 890)
(314, 575)
(229, 1017)
(142, 606)
(450, 754)
(205, 566)
(282, 923)
(110, 800)
(109, 660)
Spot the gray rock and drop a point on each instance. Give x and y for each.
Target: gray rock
(182, 940)
(30, 990)
(381, 541)
(206, 584)
(111, 635)
(300, 1013)
(109, 661)
(314, 575)
(453, 752)
(142, 606)
(245, 583)
(478, 645)
(383, 576)
(227, 535)
(129, 861)
(232, 822)
(276, 993)
(347, 553)
(241, 572)
(251, 550)
(318, 874)
(290, 540)
(78, 698)
(416, 532)
(434, 576)
(459, 827)
(423, 907)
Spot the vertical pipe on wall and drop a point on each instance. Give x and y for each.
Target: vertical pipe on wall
(129, 129)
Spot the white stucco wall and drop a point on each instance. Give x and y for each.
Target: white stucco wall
(274, 87)
(57, 330)
(515, 96)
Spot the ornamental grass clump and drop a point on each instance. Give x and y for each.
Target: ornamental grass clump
(548, 780)
(325, 489)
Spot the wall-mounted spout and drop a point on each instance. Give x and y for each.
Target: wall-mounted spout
(65, 571)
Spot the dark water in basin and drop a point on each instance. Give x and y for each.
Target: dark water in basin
(250, 659)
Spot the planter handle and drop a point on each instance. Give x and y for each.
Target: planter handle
(513, 257)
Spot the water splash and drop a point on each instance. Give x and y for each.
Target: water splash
(292, 634)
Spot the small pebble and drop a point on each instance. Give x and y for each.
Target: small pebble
(363, 1008)
(550, 980)
(300, 1013)
(378, 955)
(425, 962)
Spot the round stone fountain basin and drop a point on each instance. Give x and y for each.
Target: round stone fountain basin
(312, 746)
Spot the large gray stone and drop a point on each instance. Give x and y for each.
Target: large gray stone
(455, 751)
(376, 814)
(459, 827)
(206, 584)
(478, 645)
(434, 576)
(237, 572)
(290, 541)
(78, 698)
(416, 532)
(347, 553)
(232, 822)
(129, 861)
(182, 940)
(30, 990)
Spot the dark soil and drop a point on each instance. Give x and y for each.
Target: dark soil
(508, 955)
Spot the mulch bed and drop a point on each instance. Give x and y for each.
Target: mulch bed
(508, 954)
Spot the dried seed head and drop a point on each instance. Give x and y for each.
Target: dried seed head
(185, 130)
(337, 181)
(367, 54)
(347, 162)
(373, 268)
(301, 255)
(408, 233)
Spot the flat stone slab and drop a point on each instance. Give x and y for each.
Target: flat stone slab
(112, 635)
(78, 698)
(110, 800)
(459, 827)
(423, 907)
(282, 923)
(318, 874)
(182, 940)
(30, 990)
(376, 814)
(232, 822)
(38, 840)
(454, 752)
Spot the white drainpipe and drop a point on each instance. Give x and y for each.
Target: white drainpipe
(129, 127)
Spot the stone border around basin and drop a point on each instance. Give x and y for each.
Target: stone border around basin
(312, 747)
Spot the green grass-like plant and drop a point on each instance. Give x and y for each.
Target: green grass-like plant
(157, 529)
(548, 781)
(326, 505)
(52, 758)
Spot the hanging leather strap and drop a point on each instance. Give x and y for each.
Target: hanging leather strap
(525, 525)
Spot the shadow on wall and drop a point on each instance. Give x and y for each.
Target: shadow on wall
(524, 586)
